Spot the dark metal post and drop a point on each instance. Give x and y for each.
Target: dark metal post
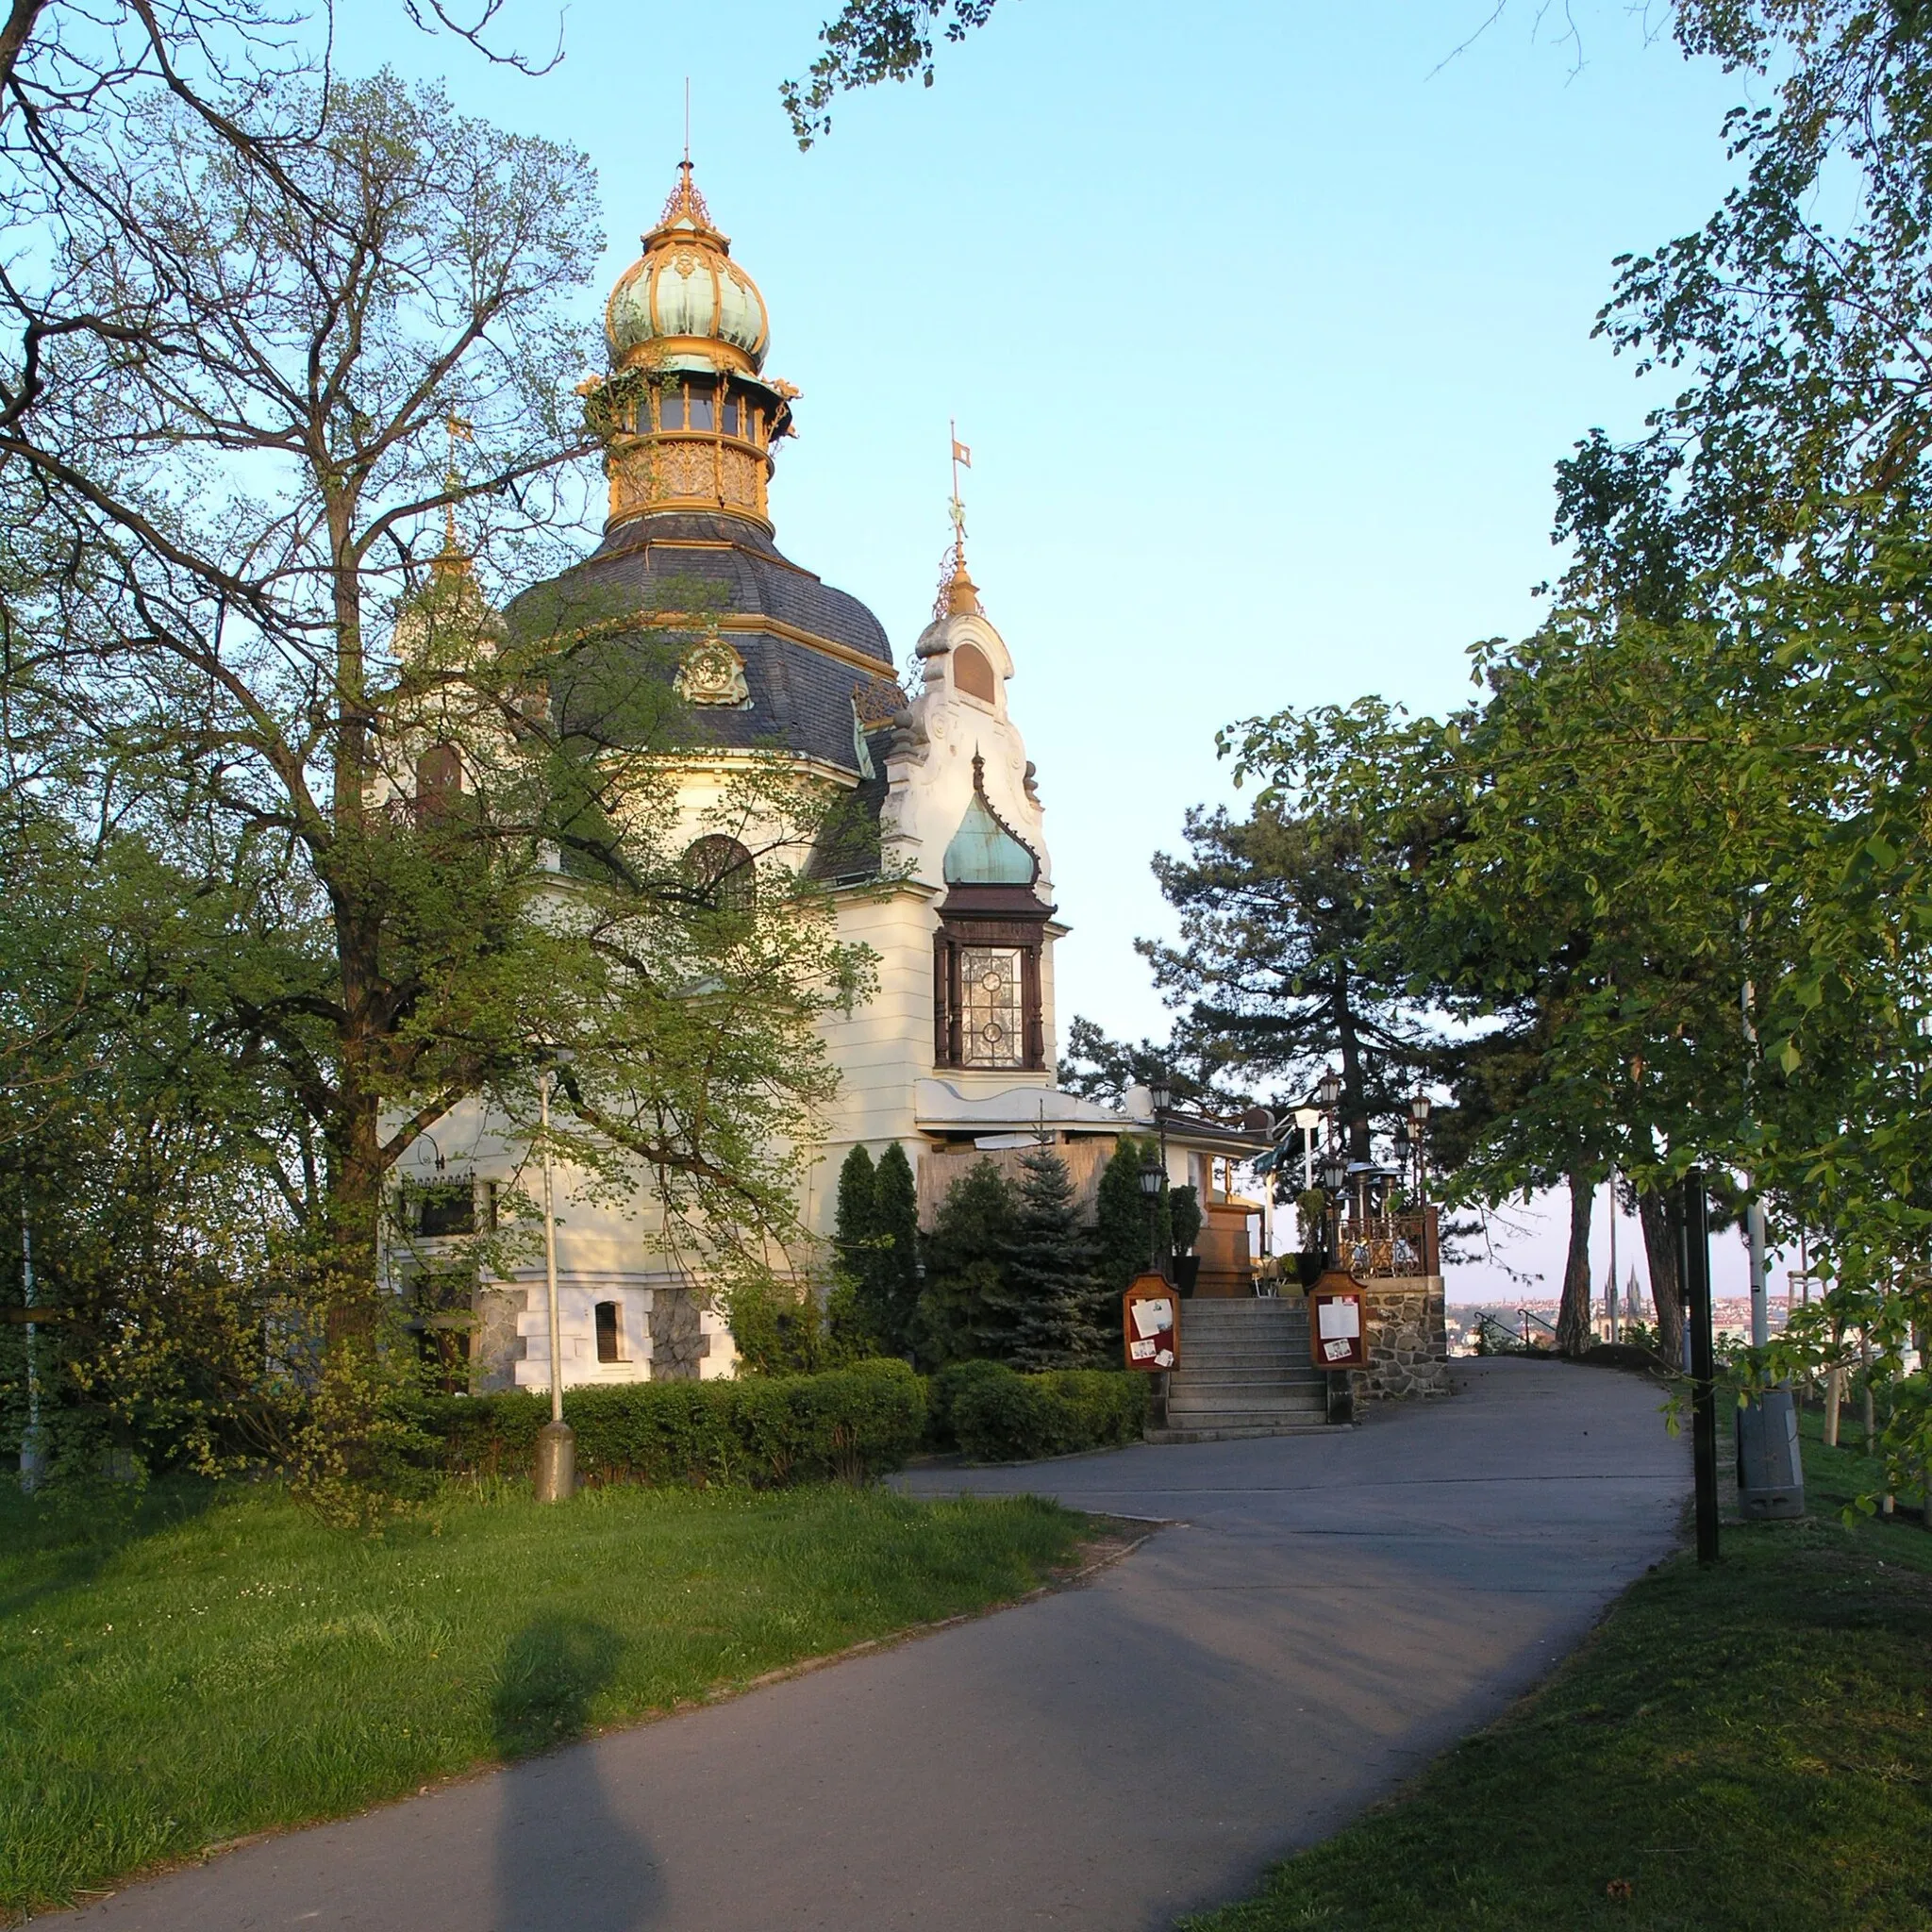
(1694, 1257)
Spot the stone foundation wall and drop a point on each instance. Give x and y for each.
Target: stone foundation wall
(496, 1348)
(1408, 1339)
(678, 1341)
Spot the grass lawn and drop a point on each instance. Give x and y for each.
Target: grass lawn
(221, 1663)
(1746, 1747)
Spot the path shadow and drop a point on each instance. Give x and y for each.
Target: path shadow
(565, 1861)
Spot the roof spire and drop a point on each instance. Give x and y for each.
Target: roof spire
(959, 594)
(452, 560)
(686, 204)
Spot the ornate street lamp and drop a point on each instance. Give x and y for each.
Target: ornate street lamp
(1160, 1090)
(1328, 1092)
(1419, 1113)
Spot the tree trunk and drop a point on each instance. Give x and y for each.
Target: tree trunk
(1834, 1401)
(1573, 1314)
(1660, 1253)
(1355, 1101)
(1868, 1416)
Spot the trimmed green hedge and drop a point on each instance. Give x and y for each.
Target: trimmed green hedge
(759, 1433)
(1000, 1416)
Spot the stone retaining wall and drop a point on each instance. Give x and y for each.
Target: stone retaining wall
(1408, 1340)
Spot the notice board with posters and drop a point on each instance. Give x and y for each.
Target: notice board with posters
(1337, 1322)
(1151, 1317)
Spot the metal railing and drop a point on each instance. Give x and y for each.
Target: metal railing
(1380, 1246)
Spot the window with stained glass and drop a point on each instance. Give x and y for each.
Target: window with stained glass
(992, 1031)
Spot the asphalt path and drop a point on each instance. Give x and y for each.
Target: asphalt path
(1322, 1615)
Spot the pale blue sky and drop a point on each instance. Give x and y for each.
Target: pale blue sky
(1265, 328)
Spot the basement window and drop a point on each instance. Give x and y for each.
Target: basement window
(609, 1332)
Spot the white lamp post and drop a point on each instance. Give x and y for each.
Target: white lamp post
(556, 1442)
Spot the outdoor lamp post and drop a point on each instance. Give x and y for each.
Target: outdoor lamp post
(1307, 1119)
(1328, 1092)
(1419, 1114)
(556, 1442)
(1159, 1096)
(1153, 1177)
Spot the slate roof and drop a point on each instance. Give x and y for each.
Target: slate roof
(801, 698)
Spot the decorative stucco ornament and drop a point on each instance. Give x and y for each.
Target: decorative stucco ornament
(712, 673)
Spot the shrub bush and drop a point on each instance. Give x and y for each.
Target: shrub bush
(761, 1432)
(998, 1416)
(942, 1392)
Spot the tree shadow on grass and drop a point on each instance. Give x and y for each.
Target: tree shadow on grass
(565, 1861)
(62, 1540)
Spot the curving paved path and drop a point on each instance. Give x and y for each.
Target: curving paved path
(1331, 1611)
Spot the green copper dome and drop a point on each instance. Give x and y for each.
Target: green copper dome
(984, 853)
(687, 293)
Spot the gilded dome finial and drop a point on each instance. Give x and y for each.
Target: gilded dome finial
(686, 204)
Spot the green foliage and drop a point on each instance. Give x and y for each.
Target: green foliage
(1278, 972)
(942, 1390)
(855, 1222)
(964, 1310)
(1123, 1239)
(331, 956)
(217, 1663)
(1005, 1417)
(876, 1236)
(1184, 1217)
(893, 1284)
(1049, 1272)
(759, 1431)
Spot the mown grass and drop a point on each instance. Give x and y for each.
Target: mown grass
(1741, 1747)
(216, 1664)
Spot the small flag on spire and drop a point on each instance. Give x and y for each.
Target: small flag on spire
(961, 453)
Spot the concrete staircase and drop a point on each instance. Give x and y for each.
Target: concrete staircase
(1244, 1371)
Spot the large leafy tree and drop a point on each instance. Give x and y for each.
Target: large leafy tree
(278, 632)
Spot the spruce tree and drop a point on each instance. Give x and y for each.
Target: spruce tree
(964, 1310)
(893, 1280)
(1049, 1272)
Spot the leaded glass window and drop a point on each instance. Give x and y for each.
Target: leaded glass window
(993, 1029)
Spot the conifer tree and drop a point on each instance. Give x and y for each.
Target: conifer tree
(964, 1310)
(893, 1280)
(854, 1221)
(1123, 1238)
(1049, 1272)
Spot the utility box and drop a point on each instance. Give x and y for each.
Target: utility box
(1771, 1478)
(1151, 1317)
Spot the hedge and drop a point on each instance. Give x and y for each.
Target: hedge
(761, 1432)
(1000, 1416)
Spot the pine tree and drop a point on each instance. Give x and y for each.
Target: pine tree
(1049, 1271)
(964, 1310)
(893, 1281)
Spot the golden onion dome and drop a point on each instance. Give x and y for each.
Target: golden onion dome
(685, 297)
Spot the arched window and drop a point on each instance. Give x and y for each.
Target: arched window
(438, 781)
(973, 674)
(722, 870)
